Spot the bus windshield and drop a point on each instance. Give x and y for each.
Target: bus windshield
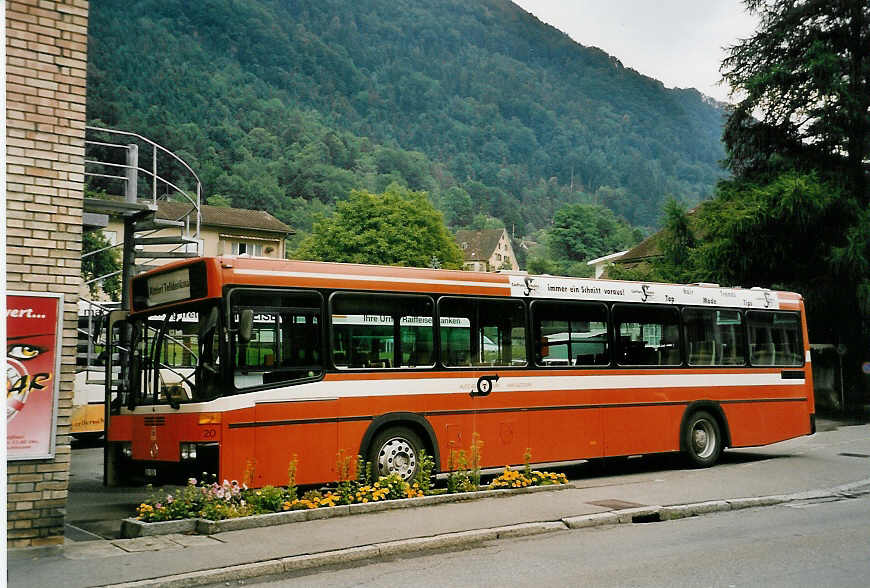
(176, 357)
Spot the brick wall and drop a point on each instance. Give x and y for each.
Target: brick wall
(46, 49)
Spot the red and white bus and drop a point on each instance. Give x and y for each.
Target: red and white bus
(239, 364)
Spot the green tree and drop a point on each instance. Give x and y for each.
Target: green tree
(796, 214)
(677, 243)
(457, 206)
(581, 232)
(219, 200)
(397, 227)
(774, 234)
(804, 78)
(539, 264)
(481, 222)
(104, 262)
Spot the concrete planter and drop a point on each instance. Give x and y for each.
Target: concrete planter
(136, 528)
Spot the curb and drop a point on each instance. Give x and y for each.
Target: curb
(345, 556)
(643, 514)
(132, 528)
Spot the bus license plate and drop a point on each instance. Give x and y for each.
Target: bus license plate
(151, 472)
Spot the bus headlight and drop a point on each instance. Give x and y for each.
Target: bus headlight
(127, 450)
(188, 451)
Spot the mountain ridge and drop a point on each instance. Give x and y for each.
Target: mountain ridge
(326, 96)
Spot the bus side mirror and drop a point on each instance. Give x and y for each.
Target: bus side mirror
(246, 324)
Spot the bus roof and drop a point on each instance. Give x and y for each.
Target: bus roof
(180, 282)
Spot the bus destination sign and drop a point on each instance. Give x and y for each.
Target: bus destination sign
(169, 287)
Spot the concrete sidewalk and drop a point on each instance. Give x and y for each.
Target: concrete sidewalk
(805, 467)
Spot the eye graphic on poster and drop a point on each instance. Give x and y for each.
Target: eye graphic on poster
(25, 373)
(32, 364)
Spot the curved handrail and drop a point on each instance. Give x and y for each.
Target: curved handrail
(190, 197)
(157, 177)
(193, 200)
(149, 142)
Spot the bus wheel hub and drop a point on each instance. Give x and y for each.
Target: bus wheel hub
(396, 457)
(700, 439)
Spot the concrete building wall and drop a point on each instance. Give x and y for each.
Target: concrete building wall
(46, 48)
(215, 240)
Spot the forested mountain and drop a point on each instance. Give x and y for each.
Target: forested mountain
(289, 104)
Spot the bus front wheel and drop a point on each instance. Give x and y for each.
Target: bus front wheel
(396, 451)
(702, 439)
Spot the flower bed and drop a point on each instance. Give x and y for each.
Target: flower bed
(528, 477)
(229, 500)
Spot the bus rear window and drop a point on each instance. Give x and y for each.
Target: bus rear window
(774, 338)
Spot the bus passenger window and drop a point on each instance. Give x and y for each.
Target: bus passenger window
(455, 341)
(714, 337)
(775, 338)
(477, 332)
(647, 335)
(570, 333)
(381, 331)
(285, 341)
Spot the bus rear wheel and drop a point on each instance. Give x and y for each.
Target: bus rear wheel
(702, 439)
(396, 451)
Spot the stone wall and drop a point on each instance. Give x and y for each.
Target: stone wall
(46, 49)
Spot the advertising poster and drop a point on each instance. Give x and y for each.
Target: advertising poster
(33, 329)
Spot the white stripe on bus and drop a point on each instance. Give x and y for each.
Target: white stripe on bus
(334, 390)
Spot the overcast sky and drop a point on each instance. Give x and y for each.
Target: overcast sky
(679, 42)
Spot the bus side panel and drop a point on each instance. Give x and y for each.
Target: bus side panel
(237, 445)
(87, 419)
(308, 430)
(453, 433)
(502, 432)
(636, 430)
(350, 435)
(453, 420)
(88, 406)
(760, 423)
(556, 435)
(569, 433)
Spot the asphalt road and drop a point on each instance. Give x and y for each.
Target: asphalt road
(802, 544)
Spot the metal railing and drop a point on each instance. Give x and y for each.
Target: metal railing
(88, 337)
(132, 170)
(112, 165)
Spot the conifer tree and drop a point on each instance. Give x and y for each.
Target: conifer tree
(803, 80)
